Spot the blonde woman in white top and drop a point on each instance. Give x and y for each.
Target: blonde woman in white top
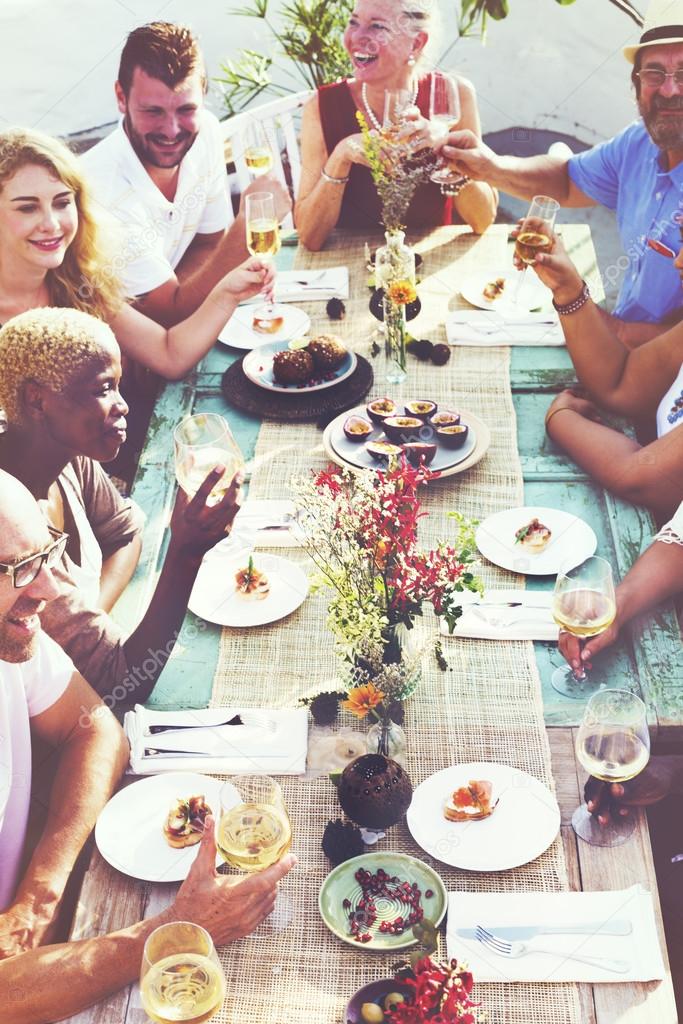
(644, 385)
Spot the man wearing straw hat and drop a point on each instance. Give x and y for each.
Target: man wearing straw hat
(638, 174)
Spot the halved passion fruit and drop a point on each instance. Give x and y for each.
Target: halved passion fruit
(453, 436)
(445, 419)
(380, 408)
(419, 454)
(382, 451)
(423, 409)
(402, 429)
(357, 429)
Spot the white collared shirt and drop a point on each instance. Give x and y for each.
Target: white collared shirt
(157, 232)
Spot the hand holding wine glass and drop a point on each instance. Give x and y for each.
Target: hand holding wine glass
(202, 442)
(263, 239)
(444, 114)
(584, 604)
(254, 830)
(613, 745)
(535, 234)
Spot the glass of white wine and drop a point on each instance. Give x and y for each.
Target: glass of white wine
(202, 442)
(535, 234)
(181, 978)
(263, 239)
(444, 112)
(584, 604)
(613, 744)
(254, 830)
(258, 154)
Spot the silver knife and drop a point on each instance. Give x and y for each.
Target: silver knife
(619, 927)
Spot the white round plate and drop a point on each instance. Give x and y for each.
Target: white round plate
(523, 825)
(129, 831)
(448, 461)
(215, 598)
(258, 368)
(238, 332)
(533, 295)
(572, 540)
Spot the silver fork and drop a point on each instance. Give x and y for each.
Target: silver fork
(311, 280)
(255, 718)
(513, 950)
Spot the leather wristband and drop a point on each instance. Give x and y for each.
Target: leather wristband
(576, 304)
(330, 180)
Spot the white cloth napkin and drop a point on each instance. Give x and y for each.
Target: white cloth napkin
(484, 327)
(488, 618)
(640, 948)
(311, 285)
(230, 748)
(258, 519)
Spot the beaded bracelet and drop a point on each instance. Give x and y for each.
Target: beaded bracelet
(330, 180)
(576, 304)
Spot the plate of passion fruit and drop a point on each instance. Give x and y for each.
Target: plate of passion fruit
(442, 438)
(300, 365)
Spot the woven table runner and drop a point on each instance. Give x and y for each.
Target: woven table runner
(486, 707)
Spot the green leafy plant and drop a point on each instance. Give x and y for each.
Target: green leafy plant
(474, 14)
(309, 37)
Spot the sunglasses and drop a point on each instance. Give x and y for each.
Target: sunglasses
(24, 572)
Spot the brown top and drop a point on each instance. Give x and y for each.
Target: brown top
(89, 636)
(361, 206)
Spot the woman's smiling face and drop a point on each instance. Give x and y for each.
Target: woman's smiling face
(380, 39)
(38, 217)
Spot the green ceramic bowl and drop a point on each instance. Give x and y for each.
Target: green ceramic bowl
(341, 885)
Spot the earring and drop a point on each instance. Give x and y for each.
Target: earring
(411, 61)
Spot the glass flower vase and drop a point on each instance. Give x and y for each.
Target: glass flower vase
(388, 738)
(394, 264)
(396, 365)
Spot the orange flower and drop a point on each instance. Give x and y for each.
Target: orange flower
(362, 699)
(402, 292)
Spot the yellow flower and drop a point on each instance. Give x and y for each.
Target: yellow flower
(362, 699)
(402, 292)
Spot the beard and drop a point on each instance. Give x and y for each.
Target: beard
(148, 155)
(665, 130)
(14, 649)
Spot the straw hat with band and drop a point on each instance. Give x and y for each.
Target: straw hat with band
(663, 24)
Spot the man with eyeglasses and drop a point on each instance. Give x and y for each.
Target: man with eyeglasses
(42, 696)
(638, 174)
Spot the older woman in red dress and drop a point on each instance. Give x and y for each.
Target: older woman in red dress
(386, 41)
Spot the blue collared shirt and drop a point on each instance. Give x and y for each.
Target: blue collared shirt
(626, 174)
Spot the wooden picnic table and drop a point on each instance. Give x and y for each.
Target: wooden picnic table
(648, 659)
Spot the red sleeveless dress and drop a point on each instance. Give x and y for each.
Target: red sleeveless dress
(361, 206)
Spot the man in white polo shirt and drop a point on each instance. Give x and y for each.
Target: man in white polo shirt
(42, 695)
(161, 173)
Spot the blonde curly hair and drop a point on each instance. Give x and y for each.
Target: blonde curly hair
(85, 279)
(50, 346)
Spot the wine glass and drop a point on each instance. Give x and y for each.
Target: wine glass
(535, 234)
(396, 102)
(258, 155)
(263, 239)
(202, 442)
(444, 112)
(181, 978)
(254, 830)
(612, 744)
(585, 605)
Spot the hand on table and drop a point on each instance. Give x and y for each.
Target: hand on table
(21, 930)
(580, 658)
(613, 800)
(195, 526)
(569, 399)
(228, 907)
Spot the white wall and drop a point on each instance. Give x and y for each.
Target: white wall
(547, 66)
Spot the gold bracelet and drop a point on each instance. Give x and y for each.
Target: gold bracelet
(549, 416)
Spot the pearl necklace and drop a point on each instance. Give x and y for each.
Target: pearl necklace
(369, 111)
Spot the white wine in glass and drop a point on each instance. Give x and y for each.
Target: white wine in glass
(535, 234)
(254, 832)
(258, 155)
(263, 239)
(613, 745)
(181, 978)
(202, 442)
(584, 604)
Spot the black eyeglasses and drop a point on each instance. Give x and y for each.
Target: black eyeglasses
(654, 78)
(25, 571)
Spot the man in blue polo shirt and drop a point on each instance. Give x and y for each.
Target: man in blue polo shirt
(638, 174)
